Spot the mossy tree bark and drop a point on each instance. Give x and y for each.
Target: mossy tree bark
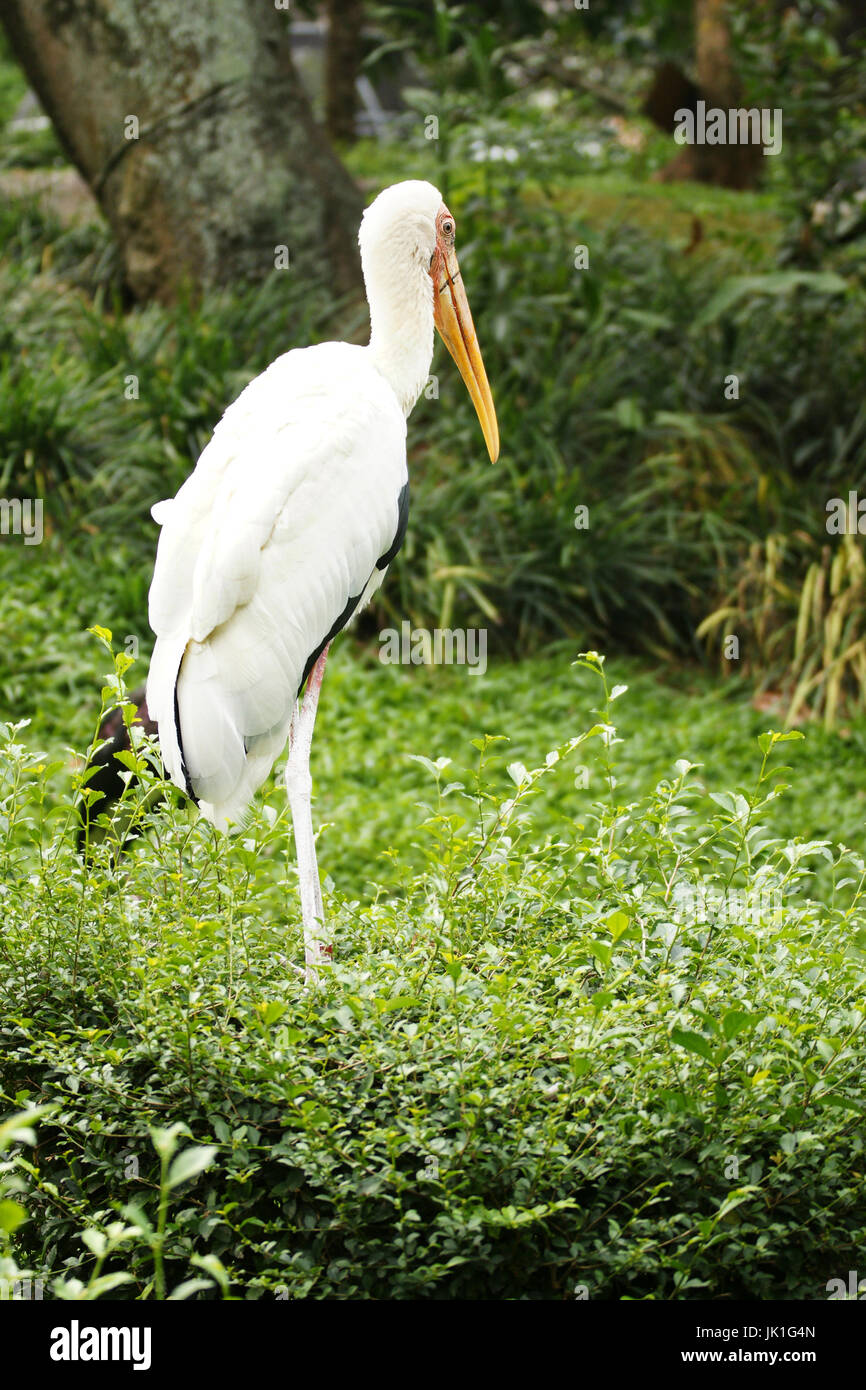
(729, 165)
(190, 124)
(342, 65)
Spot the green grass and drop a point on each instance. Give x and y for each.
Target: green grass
(375, 716)
(744, 224)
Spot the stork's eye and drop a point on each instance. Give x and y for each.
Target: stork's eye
(448, 227)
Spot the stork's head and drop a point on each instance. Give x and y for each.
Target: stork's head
(407, 238)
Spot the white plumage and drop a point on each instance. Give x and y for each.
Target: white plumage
(274, 540)
(292, 503)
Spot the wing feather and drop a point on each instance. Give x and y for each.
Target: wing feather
(295, 498)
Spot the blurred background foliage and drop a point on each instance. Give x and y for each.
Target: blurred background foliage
(706, 516)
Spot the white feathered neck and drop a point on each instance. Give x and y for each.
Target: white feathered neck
(397, 240)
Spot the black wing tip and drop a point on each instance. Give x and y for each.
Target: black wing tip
(402, 522)
(188, 787)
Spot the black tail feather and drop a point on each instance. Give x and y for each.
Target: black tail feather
(108, 776)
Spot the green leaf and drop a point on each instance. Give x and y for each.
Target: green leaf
(106, 1282)
(211, 1265)
(771, 738)
(271, 1012)
(735, 1199)
(752, 287)
(165, 1140)
(189, 1287)
(18, 1129)
(617, 923)
(433, 768)
(96, 1241)
(628, 414)
(737, 1021)
(692, 1042)
(133, 1213)
(189, 1164)
(599, 949)
(842, 1103)
(12, 1215)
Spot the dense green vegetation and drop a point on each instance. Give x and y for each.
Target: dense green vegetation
(580, 1039)
(610, 391)
(595, 1023)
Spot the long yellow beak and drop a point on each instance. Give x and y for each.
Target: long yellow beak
(454, 322)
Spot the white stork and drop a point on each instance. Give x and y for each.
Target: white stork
(287, 525)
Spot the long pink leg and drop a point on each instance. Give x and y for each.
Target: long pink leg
(318, 949)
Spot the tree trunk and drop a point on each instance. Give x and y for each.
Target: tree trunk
(730, 165)
(190, 124)
(345, 19)
(671, 91)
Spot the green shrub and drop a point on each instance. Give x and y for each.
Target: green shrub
(621, 1057)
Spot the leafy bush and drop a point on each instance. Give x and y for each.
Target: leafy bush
(619, 1059)
(810, 61)
(106, 1241)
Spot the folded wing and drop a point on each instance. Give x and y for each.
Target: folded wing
(267, 550)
